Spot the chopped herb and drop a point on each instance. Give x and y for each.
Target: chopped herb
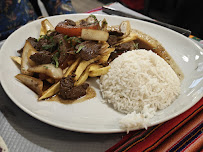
(60, 42)
(105, 22)
(55, 59)
(41, 37)
(80, 48)
(45, 37)
(46, 67)
(154, 48)
(48, 46)
(76, 39)
(91, 15)
(136, 45)
(65, 37)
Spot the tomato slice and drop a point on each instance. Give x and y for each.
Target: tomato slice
(73, 30)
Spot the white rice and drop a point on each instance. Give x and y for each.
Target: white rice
(139, 83)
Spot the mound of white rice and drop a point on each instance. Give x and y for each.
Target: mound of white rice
(139, 83)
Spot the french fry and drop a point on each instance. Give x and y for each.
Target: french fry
(55, 87)
(103, 48)
(25, 59)
(85, 74)
(47, 26)
(104, 58)
(50, 80)
(72, 67)
(94, 66)
(42, 31)
(31, 51)
(99, 72)
(50, 91)
(65, 70)
(132, 36)
(16, 59)
(33, 83)
(108, 51)
(70, 62)
(82, 66)
(83, 77)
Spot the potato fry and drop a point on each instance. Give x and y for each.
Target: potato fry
(94, 66)
(16, 59)
(50, 91)
(83, 77)
(72, 67)
(50, 80)
(82, 66)
(99, 72)
(42, 31)
(70, 62)
(104, 58)
(47, 26)
(31, 52)
(132, 36)
(55, 87)
(33, 83)
(108, 51)
(25, 59)
(65, 70)
(103, 48)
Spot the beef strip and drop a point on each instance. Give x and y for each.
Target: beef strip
(63, 47)
(42, 57)
(91, 20)
(53, 33)
(113, 39)
(84, 23)
(116, 33)
(90, 49)
(70, 22)
(67, 89)
(33, 41)
(126, 46)
(20, 51)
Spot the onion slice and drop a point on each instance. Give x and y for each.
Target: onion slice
(48, 69)
(96, 35)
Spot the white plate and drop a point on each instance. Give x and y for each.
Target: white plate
(93, 116)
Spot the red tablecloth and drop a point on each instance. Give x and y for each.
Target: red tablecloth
(182, 133)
